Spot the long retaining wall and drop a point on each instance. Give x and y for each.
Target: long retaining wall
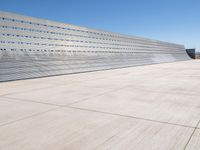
(31, 47)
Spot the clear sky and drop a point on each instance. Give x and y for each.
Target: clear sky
(175, 21)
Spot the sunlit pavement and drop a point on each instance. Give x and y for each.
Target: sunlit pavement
(147, 107)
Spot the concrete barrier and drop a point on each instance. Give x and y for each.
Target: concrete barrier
(32, 47)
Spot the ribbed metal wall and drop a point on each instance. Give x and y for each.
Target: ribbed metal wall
(31, 47)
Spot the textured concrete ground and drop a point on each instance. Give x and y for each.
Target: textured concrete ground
(153, 107)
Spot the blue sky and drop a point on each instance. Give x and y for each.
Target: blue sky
(175, 21)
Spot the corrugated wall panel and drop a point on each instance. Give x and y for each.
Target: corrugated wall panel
(31, 47)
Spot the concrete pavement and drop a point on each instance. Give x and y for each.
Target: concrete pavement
(146, 107)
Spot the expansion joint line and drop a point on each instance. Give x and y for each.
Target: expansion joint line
(133, 117)
(30, 116)
(198, 123)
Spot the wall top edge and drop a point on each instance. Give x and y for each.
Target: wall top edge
(39, 20)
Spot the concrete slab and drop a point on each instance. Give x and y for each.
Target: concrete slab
(194, 143)
(146, 107)
(171, 108)
(21, 86)
(11, 111)
(76, 129)
(171, 84)
(60, 95)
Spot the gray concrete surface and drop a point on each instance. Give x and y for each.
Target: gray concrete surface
(195, 141)
(147, 107)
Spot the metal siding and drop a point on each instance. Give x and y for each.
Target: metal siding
(72, 50)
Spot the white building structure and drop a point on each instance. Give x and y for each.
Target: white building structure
(32, 47)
